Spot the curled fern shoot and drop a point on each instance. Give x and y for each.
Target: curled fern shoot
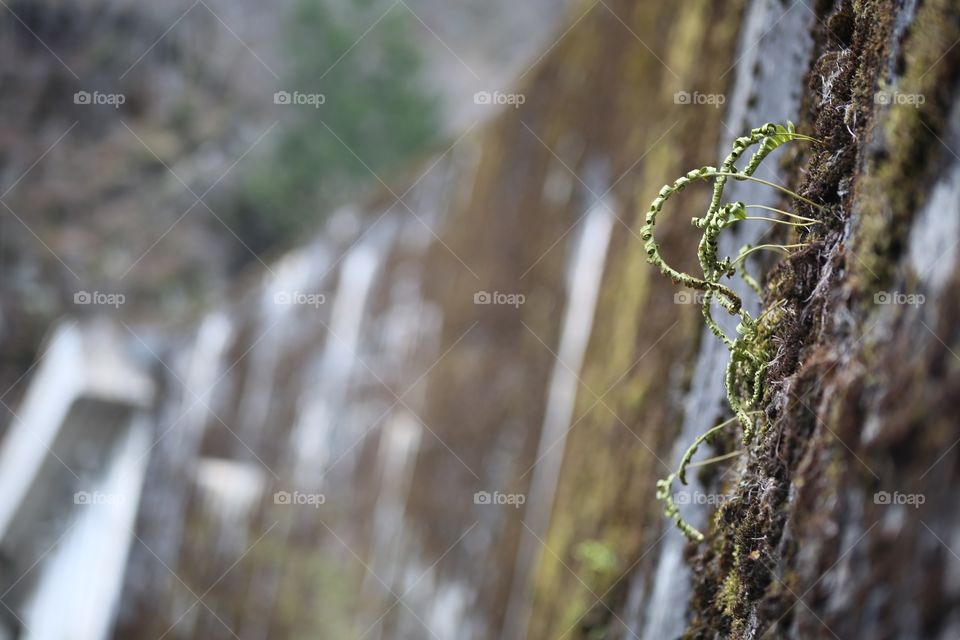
(665, 486)
(749, 352)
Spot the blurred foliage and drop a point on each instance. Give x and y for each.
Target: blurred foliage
(597, 556)
(377, 113)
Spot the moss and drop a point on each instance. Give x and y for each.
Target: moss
(735, 581)
(729, 595)
(875, 176)
(903, 166)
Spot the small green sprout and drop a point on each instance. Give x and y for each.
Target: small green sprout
(749, 353)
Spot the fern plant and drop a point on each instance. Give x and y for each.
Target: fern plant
(749, 353)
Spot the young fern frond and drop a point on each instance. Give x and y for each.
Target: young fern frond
(750, 280)
(692, 449)
(665, 486)
(749, 354)
(672, 511)
(711, 323)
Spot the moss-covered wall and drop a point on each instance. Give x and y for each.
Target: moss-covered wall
(803, 549)
(856, 395)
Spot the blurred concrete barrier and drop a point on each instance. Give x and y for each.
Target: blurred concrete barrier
(71, 468)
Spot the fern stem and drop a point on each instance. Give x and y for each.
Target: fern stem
(781, 211)
(771, 247)
(774, 220)
(715, 459)
(741, 176)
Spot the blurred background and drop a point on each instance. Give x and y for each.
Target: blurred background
(330, 318)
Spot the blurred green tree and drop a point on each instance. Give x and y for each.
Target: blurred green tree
(377, 111)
